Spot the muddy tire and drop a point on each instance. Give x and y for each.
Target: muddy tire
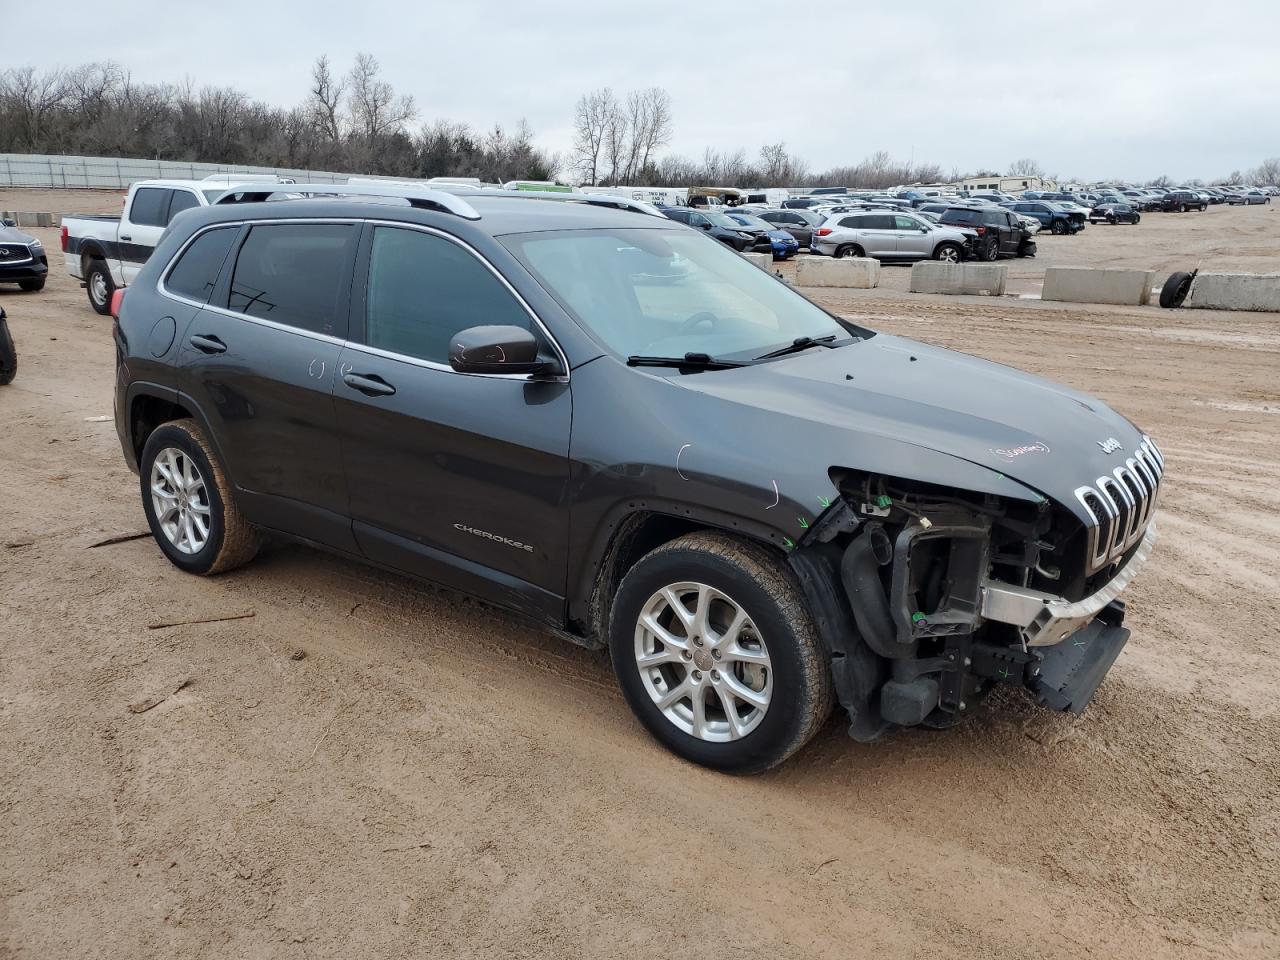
(1175, 290)
(717, 655)
(189, 503)
(99, 286)
(33, 285)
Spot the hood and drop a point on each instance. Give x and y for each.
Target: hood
(1042, 434)
(11, 235)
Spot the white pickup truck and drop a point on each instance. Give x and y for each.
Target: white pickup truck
(105, 253)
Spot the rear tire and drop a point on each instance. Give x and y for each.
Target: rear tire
(743, 715)
(1175, 290)
(209, 534)
(32, 285)
(8, 355)
(848, 250)
(99, 285)
(991, 251)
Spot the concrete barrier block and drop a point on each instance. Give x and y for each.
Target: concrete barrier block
(1097, 285)
(860, 273)
(762, 260)
(973, 279)
(1235, 291)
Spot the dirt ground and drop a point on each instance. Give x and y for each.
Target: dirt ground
(369, 767)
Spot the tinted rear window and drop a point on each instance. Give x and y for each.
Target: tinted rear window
(149, 207)
(197, 269)
(292, 273)
(960, 215)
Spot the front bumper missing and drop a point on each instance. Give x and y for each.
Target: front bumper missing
(1043, 619)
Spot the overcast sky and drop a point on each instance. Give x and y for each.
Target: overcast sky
(1089, 89)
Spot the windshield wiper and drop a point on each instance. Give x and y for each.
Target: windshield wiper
(798, 344)
(690, 361)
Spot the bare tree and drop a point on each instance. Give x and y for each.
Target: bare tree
(376, 111)
(1026, 167)
(34, 97)
(324, 101)
(1268, 172)
(593, 118)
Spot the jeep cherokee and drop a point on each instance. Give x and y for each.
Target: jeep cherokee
(612, 424)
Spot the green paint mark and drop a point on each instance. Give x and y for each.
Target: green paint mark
(825, 501)
(917, 617)
(788, 542)
(1004, 673)
(804, 524)
(884, 500)
(1079, 643)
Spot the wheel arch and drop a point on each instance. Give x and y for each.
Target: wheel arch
(630, 532)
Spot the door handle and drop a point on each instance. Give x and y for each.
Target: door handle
(370, 384)
(123, 237)
(207, 344)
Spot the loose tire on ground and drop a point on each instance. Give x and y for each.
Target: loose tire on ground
(797, 681)
(8, 355)
(99, 285)
(231, 541)
(1175, 290)
(32, 285)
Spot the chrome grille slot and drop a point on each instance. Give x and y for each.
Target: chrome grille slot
(1121, 505)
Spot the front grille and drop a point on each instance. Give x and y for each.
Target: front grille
(1121, 504)
(14, 253)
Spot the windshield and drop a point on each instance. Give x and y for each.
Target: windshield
(666, 293)
(750, 221)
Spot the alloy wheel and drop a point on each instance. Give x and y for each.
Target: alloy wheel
(703, 662)
(949, 254)
(180, 500)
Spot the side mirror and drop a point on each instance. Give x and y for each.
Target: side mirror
(496, 349)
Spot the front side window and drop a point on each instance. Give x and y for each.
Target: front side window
(423, 289)
(197, 270)
(292, 273)
(908, 223)
(150, 205)
(661, 292)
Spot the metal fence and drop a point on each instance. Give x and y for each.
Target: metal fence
(113, 173)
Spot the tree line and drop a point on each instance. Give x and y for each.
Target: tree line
(353, 122)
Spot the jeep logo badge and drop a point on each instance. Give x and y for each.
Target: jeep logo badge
(1109, 445)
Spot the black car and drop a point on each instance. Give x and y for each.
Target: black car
(801, 224)
(1000, 232)
(1183, 200)
(598, 420)
(1113, 211)
(724, 228)
(22, 258)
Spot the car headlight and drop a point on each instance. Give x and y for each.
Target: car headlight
(36, 245)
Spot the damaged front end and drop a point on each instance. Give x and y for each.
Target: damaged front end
(929, 597)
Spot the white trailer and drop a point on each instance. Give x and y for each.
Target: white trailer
(659, 196)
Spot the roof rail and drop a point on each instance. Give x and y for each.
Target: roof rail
(592, 199)
(415, 195)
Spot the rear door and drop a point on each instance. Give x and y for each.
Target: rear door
(260, 362)
(459, 478)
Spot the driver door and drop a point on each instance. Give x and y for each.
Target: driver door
(458, 478)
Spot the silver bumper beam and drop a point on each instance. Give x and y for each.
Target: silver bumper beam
(1044, 619)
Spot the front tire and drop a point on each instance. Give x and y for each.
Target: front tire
(33, 285)
(189, 503)
(1058, 228)
(948, 253)
(991, 251)
(99, 285)
(716, 654)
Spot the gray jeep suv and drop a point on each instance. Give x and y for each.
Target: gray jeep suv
(615, 426)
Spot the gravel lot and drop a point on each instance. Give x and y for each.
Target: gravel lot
(369, 767)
